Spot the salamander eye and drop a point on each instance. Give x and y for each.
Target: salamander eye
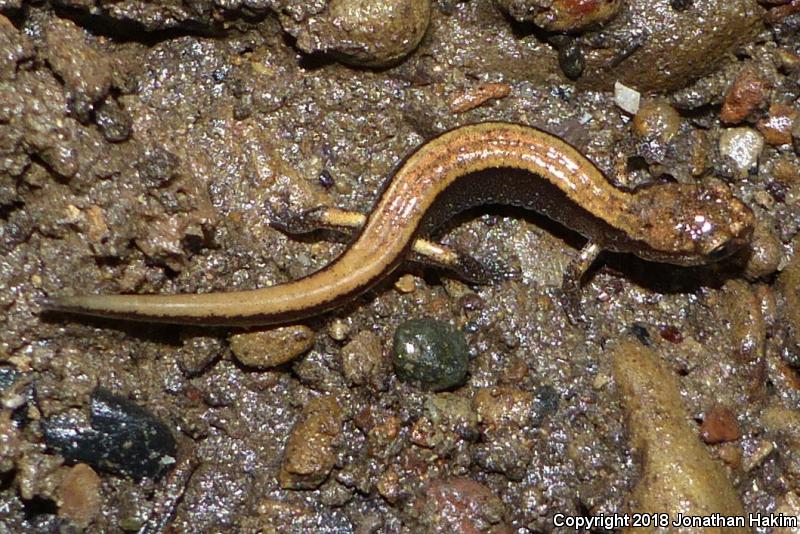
(721, 251)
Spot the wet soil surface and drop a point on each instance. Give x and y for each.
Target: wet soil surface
(145, 145)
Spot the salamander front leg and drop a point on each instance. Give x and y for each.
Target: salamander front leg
(423, 250)
(571, 283)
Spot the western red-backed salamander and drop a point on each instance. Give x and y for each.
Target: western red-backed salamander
(683, 224)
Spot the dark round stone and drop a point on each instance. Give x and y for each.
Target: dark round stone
(571, 60)
(430, 353)
(115, 123)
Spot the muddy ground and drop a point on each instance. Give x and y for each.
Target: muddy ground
(144, 145)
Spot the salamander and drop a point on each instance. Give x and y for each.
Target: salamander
(477, 164)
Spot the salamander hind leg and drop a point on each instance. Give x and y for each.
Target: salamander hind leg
(465, 266)
(319, 218)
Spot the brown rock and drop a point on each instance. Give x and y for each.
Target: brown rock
(268, 348)
(786, 171)
(766, 252)
(656, 119)
(363, 361)
(679, 47)
(719, 424)
(382, 434)
(777, 127)
(731, 454)
(86, 71)
(310, 453)
(502, 406)
(79, 495)
(477, 96)
(460, 505)
(743, 97)
(671, 333)
(406, 283)
(678, 475)
(364, 32)
(743, 313)
(388, 485)
(776, 15)
(561, 15)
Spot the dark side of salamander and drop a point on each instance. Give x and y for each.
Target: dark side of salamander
(661, 208)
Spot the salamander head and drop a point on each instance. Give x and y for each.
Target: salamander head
(689, 224)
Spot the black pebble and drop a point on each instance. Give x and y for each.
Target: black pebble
(122, 438)
(114, 122)
(430, 353)
(571, 60)
(640, 331)
(545, 403)
(680, 5)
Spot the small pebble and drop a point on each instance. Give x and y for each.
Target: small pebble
(656, 119)
(366, 32)
(478, 96)
(388, 485)
(719, 424)
(743, 97)
(742, 312)
(743, 146)
(406, 284)
(790, 62)
(430, 353)
(122, 438)
(626, 98)
(777, 127)
(338, 330)
(326, 179)
(754, 460)
(363, 361)
(198, 351)
(115, 123)
(767, 252)
(504, 406)
(79, 495)
(545, 403)
(263, 349)
(460, 505)
(157, 166)
(571, 59)
(786, 171)
(471, 302)
(642, 334)
(671, 334)
(310, 453)
(731, 454)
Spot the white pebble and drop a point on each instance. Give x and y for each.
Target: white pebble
(627, 98)
(743, 146)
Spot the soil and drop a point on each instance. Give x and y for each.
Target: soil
(143, 147)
